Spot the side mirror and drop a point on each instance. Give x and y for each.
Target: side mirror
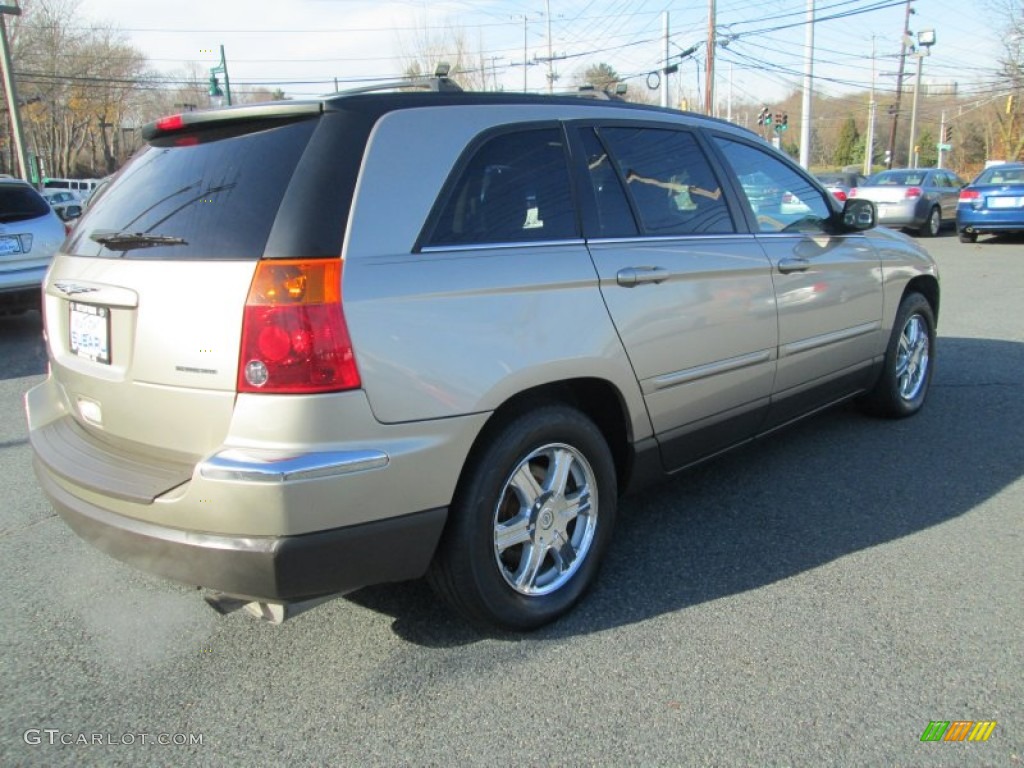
(69, 212)
(859, 214)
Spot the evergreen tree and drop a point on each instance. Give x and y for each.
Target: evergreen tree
(849, 140)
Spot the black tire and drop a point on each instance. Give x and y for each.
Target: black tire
(968, 237)
(909, 362)
(933, 224)
(474, 574)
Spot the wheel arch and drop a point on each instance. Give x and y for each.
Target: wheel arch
(597, 399)
(927, 286)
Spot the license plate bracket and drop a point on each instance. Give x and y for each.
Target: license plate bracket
(89, 332)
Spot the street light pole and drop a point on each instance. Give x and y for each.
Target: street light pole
(925, 39)
(222, 67)
(12, 95)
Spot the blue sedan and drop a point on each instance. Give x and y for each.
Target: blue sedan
(992, 203)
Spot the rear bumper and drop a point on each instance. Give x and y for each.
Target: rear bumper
(259, 567)
(985, 220)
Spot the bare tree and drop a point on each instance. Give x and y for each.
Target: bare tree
(427, 48)
(78, 85)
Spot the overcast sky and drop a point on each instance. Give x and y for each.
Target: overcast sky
(302, 45)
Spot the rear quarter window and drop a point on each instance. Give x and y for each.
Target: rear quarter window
(217, 190)
(515, 188)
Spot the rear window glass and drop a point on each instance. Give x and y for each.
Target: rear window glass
(1001, 176)
(208, 195)
(20, 203)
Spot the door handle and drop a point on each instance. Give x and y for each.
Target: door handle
(793, 265)
(630, 277)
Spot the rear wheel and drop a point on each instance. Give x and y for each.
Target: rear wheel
(932, 224)
(907, 371)
(968, 237)
(530, 521)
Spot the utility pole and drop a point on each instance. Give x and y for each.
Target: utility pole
(524, 53)
(551, 56)
(728, 109)
(899, 86)
(942, 141)
(12, 94)
(869, 143)
(709, 73)
(664, 81)
(805, 112)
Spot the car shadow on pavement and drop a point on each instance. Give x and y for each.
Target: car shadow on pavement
(831, 486)
(25, 351)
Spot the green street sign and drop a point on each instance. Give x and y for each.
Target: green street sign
(944, 147)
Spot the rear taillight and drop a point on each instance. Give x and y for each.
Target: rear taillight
(853, 192)
(294, 337)
(912, 192)
(839, 195)
(966, 195)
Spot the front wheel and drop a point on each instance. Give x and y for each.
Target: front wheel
(909, 358)
(932, 224)
(530, 521)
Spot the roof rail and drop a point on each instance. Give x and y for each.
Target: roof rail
(439, 81)
(590, 92)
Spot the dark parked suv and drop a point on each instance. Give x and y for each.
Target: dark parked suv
(300, 348)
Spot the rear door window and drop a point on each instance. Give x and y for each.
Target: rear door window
(515, 188)
(673, 189)
(213, 194)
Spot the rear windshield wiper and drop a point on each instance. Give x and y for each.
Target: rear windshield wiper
(124, 241)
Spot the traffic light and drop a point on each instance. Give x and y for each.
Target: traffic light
(764, 117)
(785, 121)
(215, 86)
(947, 134)
(888, 157)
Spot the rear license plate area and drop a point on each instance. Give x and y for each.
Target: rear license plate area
(9, 244)
(1004, 202)
(89, 332)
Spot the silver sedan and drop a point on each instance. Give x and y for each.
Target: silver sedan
(923, 199)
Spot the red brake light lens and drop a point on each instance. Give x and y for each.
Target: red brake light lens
(840, 195)
(294, 336)
(170, 123)
(966, 195)
(912, 192)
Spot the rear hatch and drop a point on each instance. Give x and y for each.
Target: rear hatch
(144, 307)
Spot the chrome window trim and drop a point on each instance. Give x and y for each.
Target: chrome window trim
(665, 238)
(489, 246)
(266, 467)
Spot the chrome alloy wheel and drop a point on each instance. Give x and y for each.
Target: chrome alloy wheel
(912, 357)
(545, 520)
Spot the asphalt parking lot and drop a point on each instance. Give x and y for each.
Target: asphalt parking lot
(813, 600)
